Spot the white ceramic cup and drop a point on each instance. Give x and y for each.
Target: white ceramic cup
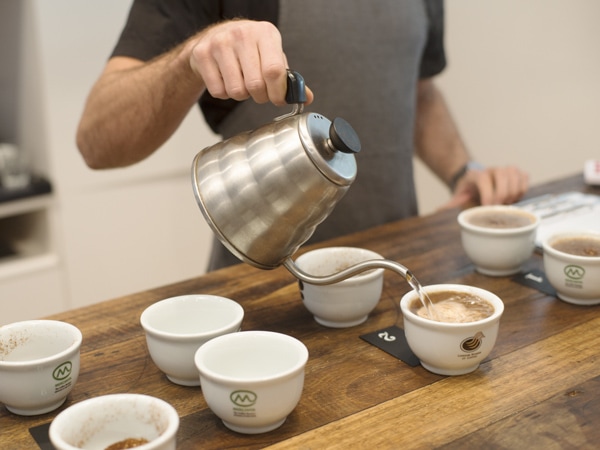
(575, 278)
(498, 251)
(176, 327)
(39, 365)
(348, 302)
(450, 348)
(252, 380)
(99, 422)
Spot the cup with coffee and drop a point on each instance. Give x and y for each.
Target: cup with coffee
(498, 239)
(462, 332)
(572, 266)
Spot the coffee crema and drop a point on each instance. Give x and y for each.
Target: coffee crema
(500, 219)
(455, 307)
(578, 246)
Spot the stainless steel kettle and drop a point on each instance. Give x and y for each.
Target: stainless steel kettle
(264, 192)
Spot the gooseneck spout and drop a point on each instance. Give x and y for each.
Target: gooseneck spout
(362, 267)
(349, 271)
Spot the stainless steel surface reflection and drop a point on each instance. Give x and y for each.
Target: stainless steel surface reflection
(264, 192)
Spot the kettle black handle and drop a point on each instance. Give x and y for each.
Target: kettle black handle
(296, 89)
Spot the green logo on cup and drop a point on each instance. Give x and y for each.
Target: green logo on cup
(243, 398)
(574, 272)
(63, 371)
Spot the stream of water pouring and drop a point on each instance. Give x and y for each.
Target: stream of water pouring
(425, 300)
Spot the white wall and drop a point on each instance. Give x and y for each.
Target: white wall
(523, 83)
(122, 230)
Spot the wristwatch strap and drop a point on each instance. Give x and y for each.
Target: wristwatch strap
(471, 165)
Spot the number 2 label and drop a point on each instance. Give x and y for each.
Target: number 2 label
(386, 336)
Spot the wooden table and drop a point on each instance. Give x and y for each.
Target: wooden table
(540, 387)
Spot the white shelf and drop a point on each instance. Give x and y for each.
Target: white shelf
(18, 266)
(17, 207)
(26, 229)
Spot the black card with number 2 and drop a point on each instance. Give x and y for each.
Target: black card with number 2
(393, 341)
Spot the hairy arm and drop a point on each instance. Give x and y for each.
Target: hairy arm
(135, 106)
(437, 140)
(439, 145)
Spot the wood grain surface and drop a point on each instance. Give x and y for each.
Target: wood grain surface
(539, 388)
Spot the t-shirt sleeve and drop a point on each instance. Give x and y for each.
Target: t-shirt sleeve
(154, 27)
(434, 55)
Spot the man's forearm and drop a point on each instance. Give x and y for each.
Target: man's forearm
(437, 140)
(135, 107)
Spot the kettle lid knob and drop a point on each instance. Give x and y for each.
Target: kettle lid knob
(343, 137)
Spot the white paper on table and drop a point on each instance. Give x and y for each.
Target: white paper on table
(567, 211)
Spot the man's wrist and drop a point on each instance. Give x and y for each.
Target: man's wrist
(471, 165)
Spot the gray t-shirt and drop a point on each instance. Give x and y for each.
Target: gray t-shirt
(362, 59)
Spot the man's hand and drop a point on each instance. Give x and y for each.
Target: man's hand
(240, 59)
(495, 185)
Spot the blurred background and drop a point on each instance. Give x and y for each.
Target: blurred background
(522, 82)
